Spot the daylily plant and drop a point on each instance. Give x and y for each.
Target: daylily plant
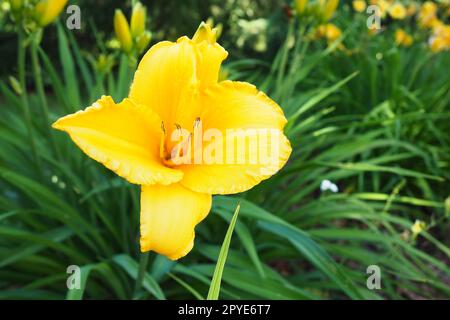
(176, 93)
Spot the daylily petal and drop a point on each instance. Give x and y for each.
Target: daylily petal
(239, 105)
(210, 55)
(165, 79)
(124, 137)
(170, 75)
(169, 215)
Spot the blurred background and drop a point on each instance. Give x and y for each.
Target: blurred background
(367, 184)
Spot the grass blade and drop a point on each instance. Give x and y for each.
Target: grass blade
(214, 288)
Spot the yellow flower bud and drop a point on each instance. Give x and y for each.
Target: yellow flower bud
(210, 22)
(122, 30)
(143, 40)
(218, 31)
(329, 8)
(300, 6)
(46, 11)
(15, 84)
(138, 20)
(104, 63)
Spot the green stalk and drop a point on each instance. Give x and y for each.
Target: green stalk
(24, 99)
(143, 264)
(37, 74)
(301, 46)
(284, 58)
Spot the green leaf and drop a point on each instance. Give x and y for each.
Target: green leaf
(132, 268)
(214, 288)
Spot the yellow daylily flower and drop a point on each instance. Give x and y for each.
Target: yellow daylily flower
(175, 92)
(122, 30)
(397, 11)
(46, 11)
(402, 38)
(359, 5)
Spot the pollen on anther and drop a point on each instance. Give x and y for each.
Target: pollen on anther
(196, 122)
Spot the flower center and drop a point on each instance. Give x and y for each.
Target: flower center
(176, 148)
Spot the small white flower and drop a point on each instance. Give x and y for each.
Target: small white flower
(328, 185)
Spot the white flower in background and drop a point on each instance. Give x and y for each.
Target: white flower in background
(328, 185)
(253, 31)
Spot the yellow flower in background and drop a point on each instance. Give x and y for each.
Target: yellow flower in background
(383, 5)
(46, 11)
(122, 30)
(436, 25)
(175, 92)
(437, 44)
(143, 40)
(402, 38)
(397, 11)
(359, 5)
(418, 227)
(440, 39)
(328, 31)
(442, 30)
(429, 7)
(411, 9)
(427, 14)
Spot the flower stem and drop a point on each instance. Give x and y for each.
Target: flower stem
(24, 99)
(37, 74)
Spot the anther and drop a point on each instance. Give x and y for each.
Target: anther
(196, 122)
